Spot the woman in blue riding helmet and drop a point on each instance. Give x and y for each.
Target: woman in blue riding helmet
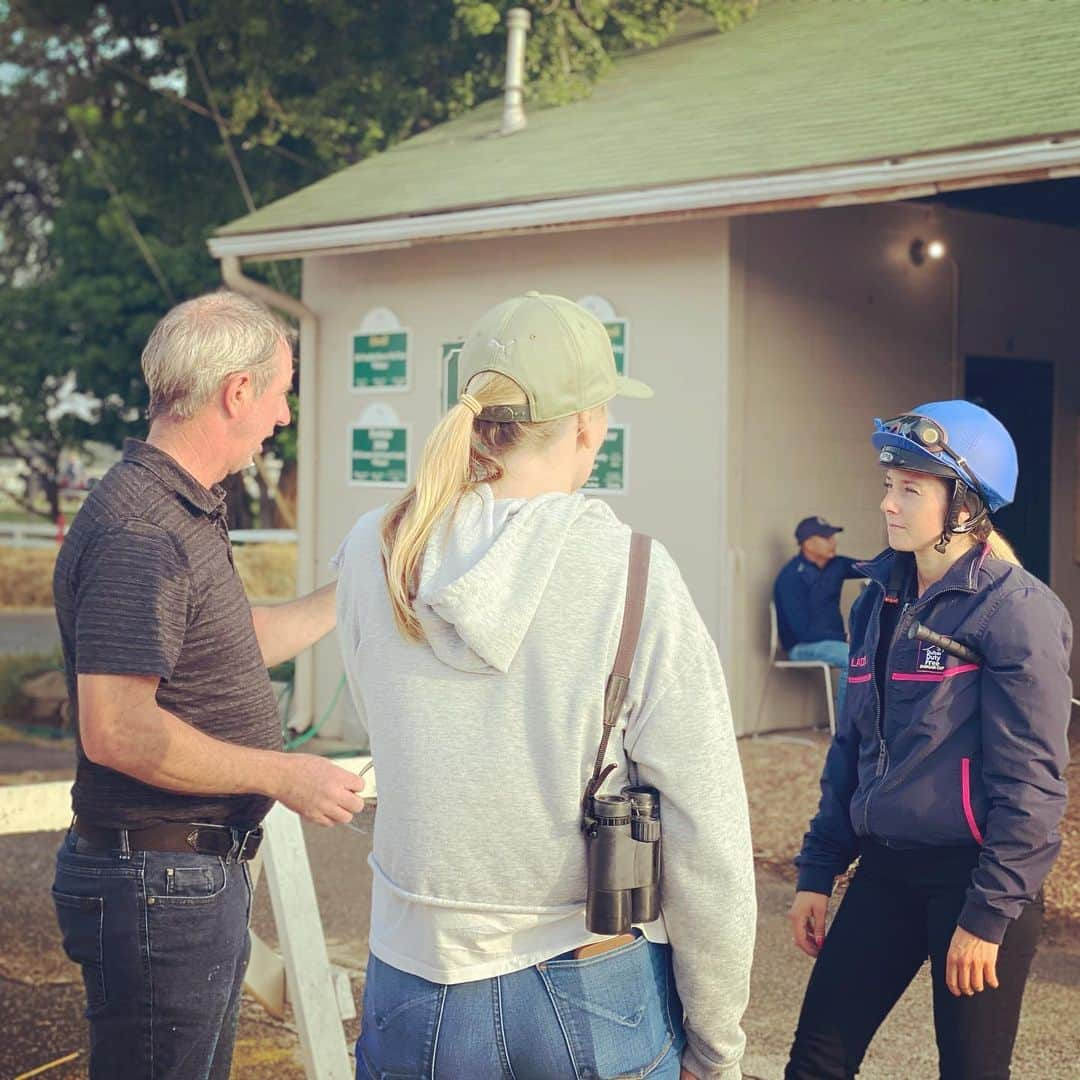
(945, 777)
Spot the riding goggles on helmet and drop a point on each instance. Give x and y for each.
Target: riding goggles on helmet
(929, 436)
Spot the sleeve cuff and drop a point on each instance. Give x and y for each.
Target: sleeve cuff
(816, 879)
(983, 922)
(704, 1071)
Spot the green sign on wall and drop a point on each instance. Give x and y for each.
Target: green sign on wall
(380, 361)
(380, 456)
(451, 357)
(610, 473)
(619, 332)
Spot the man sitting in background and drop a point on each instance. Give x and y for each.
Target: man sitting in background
(807, 596)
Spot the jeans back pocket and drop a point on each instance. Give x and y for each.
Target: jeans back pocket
(81, 920)
(619, 1010)
(397, 1033)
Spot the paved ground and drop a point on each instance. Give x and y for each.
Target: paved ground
(30, 631)
(46, 758)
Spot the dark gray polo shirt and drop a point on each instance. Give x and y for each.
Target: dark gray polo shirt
(145, 585)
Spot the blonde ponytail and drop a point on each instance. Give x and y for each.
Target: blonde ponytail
(1000, 548)
(461, 452)
(985, 533)
(443, 477)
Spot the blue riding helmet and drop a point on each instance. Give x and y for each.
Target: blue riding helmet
(954, 439)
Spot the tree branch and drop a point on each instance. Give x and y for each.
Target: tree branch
(24, 502)
(223, 131)
(169, 95)
(206, 114)
(136, 235)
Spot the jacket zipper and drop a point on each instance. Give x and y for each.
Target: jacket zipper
(882, 768)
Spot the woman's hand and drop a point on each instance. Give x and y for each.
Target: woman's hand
(807, 917)
(971, 964)
(686, 1074)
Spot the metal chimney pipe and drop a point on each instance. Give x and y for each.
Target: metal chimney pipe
(518, 21)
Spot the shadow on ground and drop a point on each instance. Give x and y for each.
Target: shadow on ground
(41, 997)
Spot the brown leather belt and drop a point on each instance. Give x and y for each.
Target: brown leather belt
(595, 948)
(232, 843)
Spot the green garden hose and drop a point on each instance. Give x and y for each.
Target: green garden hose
(311, 732)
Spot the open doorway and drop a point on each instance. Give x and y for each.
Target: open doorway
(1020, 393)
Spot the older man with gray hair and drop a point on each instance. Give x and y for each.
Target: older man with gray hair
(178, 736)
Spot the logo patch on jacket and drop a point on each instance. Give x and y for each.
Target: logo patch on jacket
(931, 657)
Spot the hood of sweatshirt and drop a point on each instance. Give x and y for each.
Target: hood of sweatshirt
(485, 571)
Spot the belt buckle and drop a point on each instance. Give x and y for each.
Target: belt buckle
(209, 832)
(241, 838)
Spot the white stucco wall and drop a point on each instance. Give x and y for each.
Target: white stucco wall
(768, 368)
(669, 281)
(841, 327)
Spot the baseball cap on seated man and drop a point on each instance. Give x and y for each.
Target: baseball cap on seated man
(556, 351)
(815, 526)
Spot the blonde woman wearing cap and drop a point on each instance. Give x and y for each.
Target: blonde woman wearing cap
(479, 618)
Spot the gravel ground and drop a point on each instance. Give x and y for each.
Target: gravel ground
(782, 773)
(25, 759)
(41, 997)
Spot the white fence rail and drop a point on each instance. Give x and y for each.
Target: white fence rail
(319, 993)
(32, 535)
(263, 536)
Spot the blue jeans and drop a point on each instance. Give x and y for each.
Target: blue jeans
(162, 940)
(835, 654)
(616, 1014)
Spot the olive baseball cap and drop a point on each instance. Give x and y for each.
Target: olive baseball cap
(556, 351)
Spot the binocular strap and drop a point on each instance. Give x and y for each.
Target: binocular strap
(637, 581)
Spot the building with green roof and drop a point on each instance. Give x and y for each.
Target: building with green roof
(751, 211)
(827, 101)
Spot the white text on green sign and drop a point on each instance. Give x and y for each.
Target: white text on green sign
(380, 360)
(380, 455)
(617, 332)
(451, 363)
(609, 470)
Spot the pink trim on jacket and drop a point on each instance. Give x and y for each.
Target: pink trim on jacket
(932, 676)
(965, 795)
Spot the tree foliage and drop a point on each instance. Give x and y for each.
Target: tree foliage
(131, 129)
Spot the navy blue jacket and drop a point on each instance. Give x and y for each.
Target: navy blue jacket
(961, 752)
(808, 600)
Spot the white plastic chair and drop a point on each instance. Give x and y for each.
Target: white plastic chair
(774, 662)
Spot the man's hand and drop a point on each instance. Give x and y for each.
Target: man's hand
(686, 1074)
(971, 964)
(122, 726)
(319, 790)
(807, 917)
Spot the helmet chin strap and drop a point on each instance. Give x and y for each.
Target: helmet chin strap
(953, 525)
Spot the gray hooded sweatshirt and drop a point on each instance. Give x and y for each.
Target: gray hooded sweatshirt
(484, 738)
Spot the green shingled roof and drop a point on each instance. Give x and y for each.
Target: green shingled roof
(804, 84)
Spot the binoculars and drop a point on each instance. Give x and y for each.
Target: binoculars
(622, 844)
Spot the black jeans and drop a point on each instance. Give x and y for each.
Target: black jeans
(162, 939)
(901, 908)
